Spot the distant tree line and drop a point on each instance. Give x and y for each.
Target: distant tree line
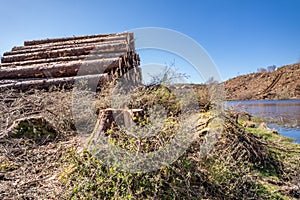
(270, 68)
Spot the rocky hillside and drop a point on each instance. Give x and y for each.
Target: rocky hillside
(283, 83)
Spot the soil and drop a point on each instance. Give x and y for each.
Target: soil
(283, 83)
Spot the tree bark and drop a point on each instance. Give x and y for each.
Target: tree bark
(92, 56)
(75, 51)
(64, 45)
(61, 69)
(56, 40)
(93, 81)
(109, 118)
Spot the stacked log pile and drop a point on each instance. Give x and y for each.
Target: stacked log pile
(61, 61)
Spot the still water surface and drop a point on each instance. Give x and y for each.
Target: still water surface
(283, 115)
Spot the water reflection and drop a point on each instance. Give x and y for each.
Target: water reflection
(284, 115)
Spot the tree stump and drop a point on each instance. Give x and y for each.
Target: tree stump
(114, 118)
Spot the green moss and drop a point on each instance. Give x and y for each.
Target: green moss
(7, 166)
(271, 192)
(269, 135)
(36, 129)
(241, 121)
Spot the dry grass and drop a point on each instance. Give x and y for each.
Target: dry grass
(35, 129)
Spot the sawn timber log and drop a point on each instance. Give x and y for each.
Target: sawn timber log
(44, 83)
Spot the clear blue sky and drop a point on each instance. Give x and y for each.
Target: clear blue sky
(239, 35)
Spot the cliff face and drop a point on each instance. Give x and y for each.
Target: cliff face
(283, 83)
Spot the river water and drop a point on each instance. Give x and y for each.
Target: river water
(283, 115)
